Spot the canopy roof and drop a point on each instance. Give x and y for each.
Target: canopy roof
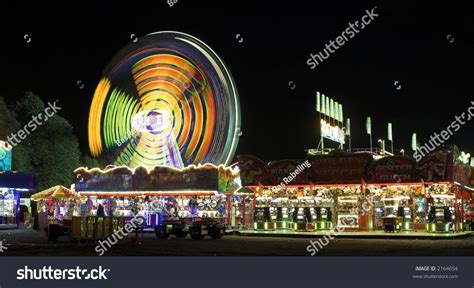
(56, 192)
(160, 180)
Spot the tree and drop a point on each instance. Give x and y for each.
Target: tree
(9, 124)
(89, 162)
(52, 149)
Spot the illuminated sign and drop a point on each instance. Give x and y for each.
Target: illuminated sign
(151, 121)
(5, 156)
(332, 132)
(464, 157)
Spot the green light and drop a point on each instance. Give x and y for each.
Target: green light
(341, 115)
(323, 104)
(413, 142)
(368, 125)
(406, 226)
(348, 127)
(389, 132)
(331, 107)
(318, 102)
(117, 125)
(328, 110)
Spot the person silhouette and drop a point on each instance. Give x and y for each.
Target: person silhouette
(100, 211)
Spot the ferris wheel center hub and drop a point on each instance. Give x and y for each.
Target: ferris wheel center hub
(151, 121)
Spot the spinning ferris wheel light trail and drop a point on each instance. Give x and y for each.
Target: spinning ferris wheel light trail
(174, 96)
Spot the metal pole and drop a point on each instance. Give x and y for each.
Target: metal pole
(321, 134)
(350, 144)
(370, 135)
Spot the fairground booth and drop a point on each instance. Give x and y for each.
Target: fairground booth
(191, 193)
(358, 193)
(12, 186)
(102, 201)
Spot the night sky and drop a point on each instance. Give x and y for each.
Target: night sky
(426, 47)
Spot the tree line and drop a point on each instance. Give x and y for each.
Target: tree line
(51, 150)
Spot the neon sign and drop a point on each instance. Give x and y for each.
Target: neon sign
(332, 132)
(151, 121)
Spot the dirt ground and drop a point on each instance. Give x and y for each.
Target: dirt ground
(26, 242)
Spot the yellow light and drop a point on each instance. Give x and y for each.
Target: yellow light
(95, 115)
(221, 167)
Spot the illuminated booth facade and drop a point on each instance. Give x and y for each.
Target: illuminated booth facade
(195, 192)
(358, 193)
(12, 185)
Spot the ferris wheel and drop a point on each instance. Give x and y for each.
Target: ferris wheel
(167, 99)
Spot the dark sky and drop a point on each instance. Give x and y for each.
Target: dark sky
(407, 42)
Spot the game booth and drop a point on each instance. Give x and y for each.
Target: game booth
(12, 186)
(358, 193)
(56, 208)
(191, 194)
